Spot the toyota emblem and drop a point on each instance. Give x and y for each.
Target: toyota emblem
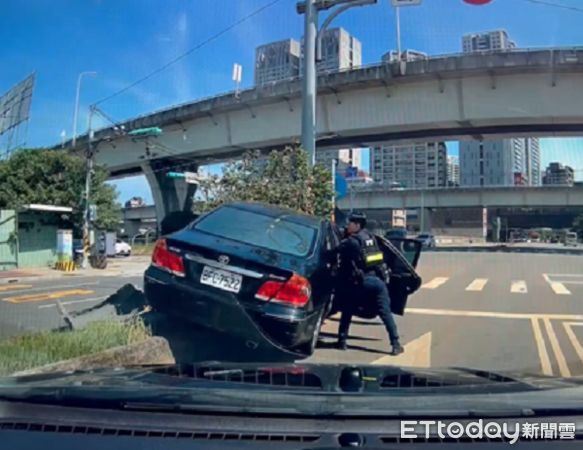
(224, 259)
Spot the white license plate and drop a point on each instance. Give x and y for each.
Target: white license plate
(221, 279)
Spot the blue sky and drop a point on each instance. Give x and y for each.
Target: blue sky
(125, 39)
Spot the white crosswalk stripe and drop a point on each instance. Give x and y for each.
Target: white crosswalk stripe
(477, 285)
(435, 283)
(518, 287)
(560, 288)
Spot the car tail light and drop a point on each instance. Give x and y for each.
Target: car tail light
(295, 292)
(166, 259)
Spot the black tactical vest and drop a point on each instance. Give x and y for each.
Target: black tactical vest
(371, 256)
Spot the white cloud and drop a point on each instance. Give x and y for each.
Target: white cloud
(181, 73)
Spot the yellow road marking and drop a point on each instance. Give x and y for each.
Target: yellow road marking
(543, 355)
(14, 287)
(417, 354)
(571, 335)
(477, 285)
(435, 283)
(47, 296)
(518, 287)
(491, 314)
(563, 368)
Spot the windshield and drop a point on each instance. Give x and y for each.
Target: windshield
(372, 184)
(273, 233)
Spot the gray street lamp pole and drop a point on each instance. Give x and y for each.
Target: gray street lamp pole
(76, 114)
(87, 193)
(312, 48)
(309, 81)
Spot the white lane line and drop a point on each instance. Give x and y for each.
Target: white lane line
(573, 338)
(543, 354)
(577, 275)
(557, 287)
(560, 357)
(477, 285)
(491, 314)
(518, 287)
(72, 302)
(435, 283)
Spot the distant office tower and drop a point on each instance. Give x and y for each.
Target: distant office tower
(496, 40)
(492, 163)
(346, 158)
(558, 174)
(340, 51)
(406, 55)
(420, 165)
(532, 161)
(453, 171)
(504, 162)
(277, 61)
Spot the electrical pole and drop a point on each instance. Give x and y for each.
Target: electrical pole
(77, 95)
(309, 81)
(88, 175)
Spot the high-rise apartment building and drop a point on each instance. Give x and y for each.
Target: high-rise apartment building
(420, 165)
(487, 41)
(346, 157)
(453, 171)
(492, 163)
(532, 162)
(277, 61)
(503, 162)
(340, 51)
(558, 174)
(406, 55)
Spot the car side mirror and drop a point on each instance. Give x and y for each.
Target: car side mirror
(409, 248)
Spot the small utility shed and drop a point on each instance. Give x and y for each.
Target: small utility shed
(28, 236)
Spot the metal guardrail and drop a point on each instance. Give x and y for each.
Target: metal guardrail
(372, 187)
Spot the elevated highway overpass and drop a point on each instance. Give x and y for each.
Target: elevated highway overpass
(382, 197)
(470, 96)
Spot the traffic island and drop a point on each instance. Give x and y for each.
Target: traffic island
(100, 343)
(152, 351)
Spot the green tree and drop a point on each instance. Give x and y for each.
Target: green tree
(55, 177)
(283, 178)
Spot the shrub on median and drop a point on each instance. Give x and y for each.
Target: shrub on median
(34, 350)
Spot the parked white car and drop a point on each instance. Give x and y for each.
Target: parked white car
(122, 248)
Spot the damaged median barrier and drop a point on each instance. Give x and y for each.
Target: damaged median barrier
(110, 334)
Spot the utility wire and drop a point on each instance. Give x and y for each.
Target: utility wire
(555, 5)
(210, 39)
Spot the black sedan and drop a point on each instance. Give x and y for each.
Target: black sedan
(253, 271)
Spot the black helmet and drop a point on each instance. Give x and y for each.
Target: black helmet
(358, 217)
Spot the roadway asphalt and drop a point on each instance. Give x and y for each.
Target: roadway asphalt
(485, 310)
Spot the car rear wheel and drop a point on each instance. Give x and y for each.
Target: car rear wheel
(309, 347)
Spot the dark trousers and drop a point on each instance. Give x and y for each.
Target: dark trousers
(371, 290)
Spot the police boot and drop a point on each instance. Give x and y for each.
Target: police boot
(341, 343)
(397, 349)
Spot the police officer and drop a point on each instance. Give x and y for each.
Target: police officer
(362, 278)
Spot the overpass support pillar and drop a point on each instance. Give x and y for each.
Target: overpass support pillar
(169, 194)
(425, 219)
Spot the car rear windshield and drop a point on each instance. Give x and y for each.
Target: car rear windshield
(273, 233)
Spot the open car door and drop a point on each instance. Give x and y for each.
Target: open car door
(402, 256)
